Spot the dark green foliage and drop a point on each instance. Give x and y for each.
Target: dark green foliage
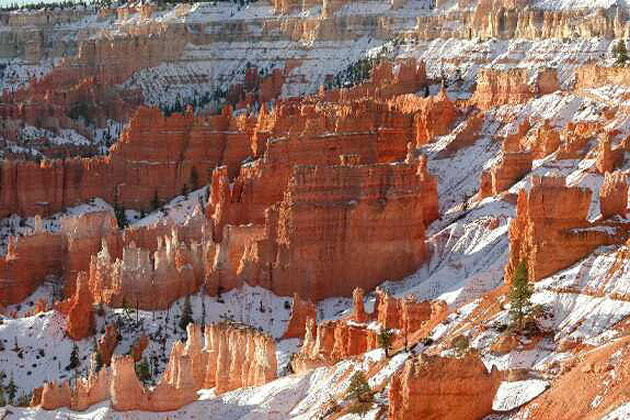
(75, 362)
(621, 53)
(461, 344)
(155, 202)
(121, 217)
(384, 340)
(194, 178)
(520, 295)
(11, 390)
(143, 372)
(360, 394)
(23, 400)
(186, 317)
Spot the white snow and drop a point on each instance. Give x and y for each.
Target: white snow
(511, 395)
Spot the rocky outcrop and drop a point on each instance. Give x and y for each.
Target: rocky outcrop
(358, 307)
(433, 116)
(331, 341)
(522, 19)
(499, 87)
(78, 310)
(513, 164)
(84, 392)
(593, 75)
(107, 344)
(232, 357)
(432, 387)
(551, 231)
(496, 87)
(613, 195)
(607, 158)
(31, 258)
(144, 279)
(301, 311)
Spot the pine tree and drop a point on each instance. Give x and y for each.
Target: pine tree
(384, 340)
(360, 393)
(186, 317)
(3, 400)
(97, 358)
(75, 362)
(520, 295)
(142, 371)
(11, 389)
(194, 178)
(121, 217)
(621, 52)
(155, 203)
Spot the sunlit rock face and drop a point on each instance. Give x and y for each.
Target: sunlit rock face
(436, 387)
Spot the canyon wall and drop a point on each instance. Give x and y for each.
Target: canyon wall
(157, 157)
(326, 209)
(521, 19)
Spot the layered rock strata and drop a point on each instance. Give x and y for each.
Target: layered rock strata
(551, 230)
(308, 235)
(156, 158)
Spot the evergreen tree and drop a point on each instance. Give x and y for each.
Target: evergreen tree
(360, 393)
(194, 178)
(155, 203)
(520, 295)
(11, 389)
(121, 217)
(384, 340)
(621, 52)
(97, 359)
(143, 372)
(186, 317)
(75, 362)
(3, 400)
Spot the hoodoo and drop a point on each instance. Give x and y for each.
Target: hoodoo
(316, 209)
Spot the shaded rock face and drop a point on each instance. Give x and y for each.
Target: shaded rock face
(432, 387)
(512, 165)
(145, 279)
(155, 156)
(607, 158)
(31, 258)
(551, 231)
(301, 311)
(107, 343)
(78, 310)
